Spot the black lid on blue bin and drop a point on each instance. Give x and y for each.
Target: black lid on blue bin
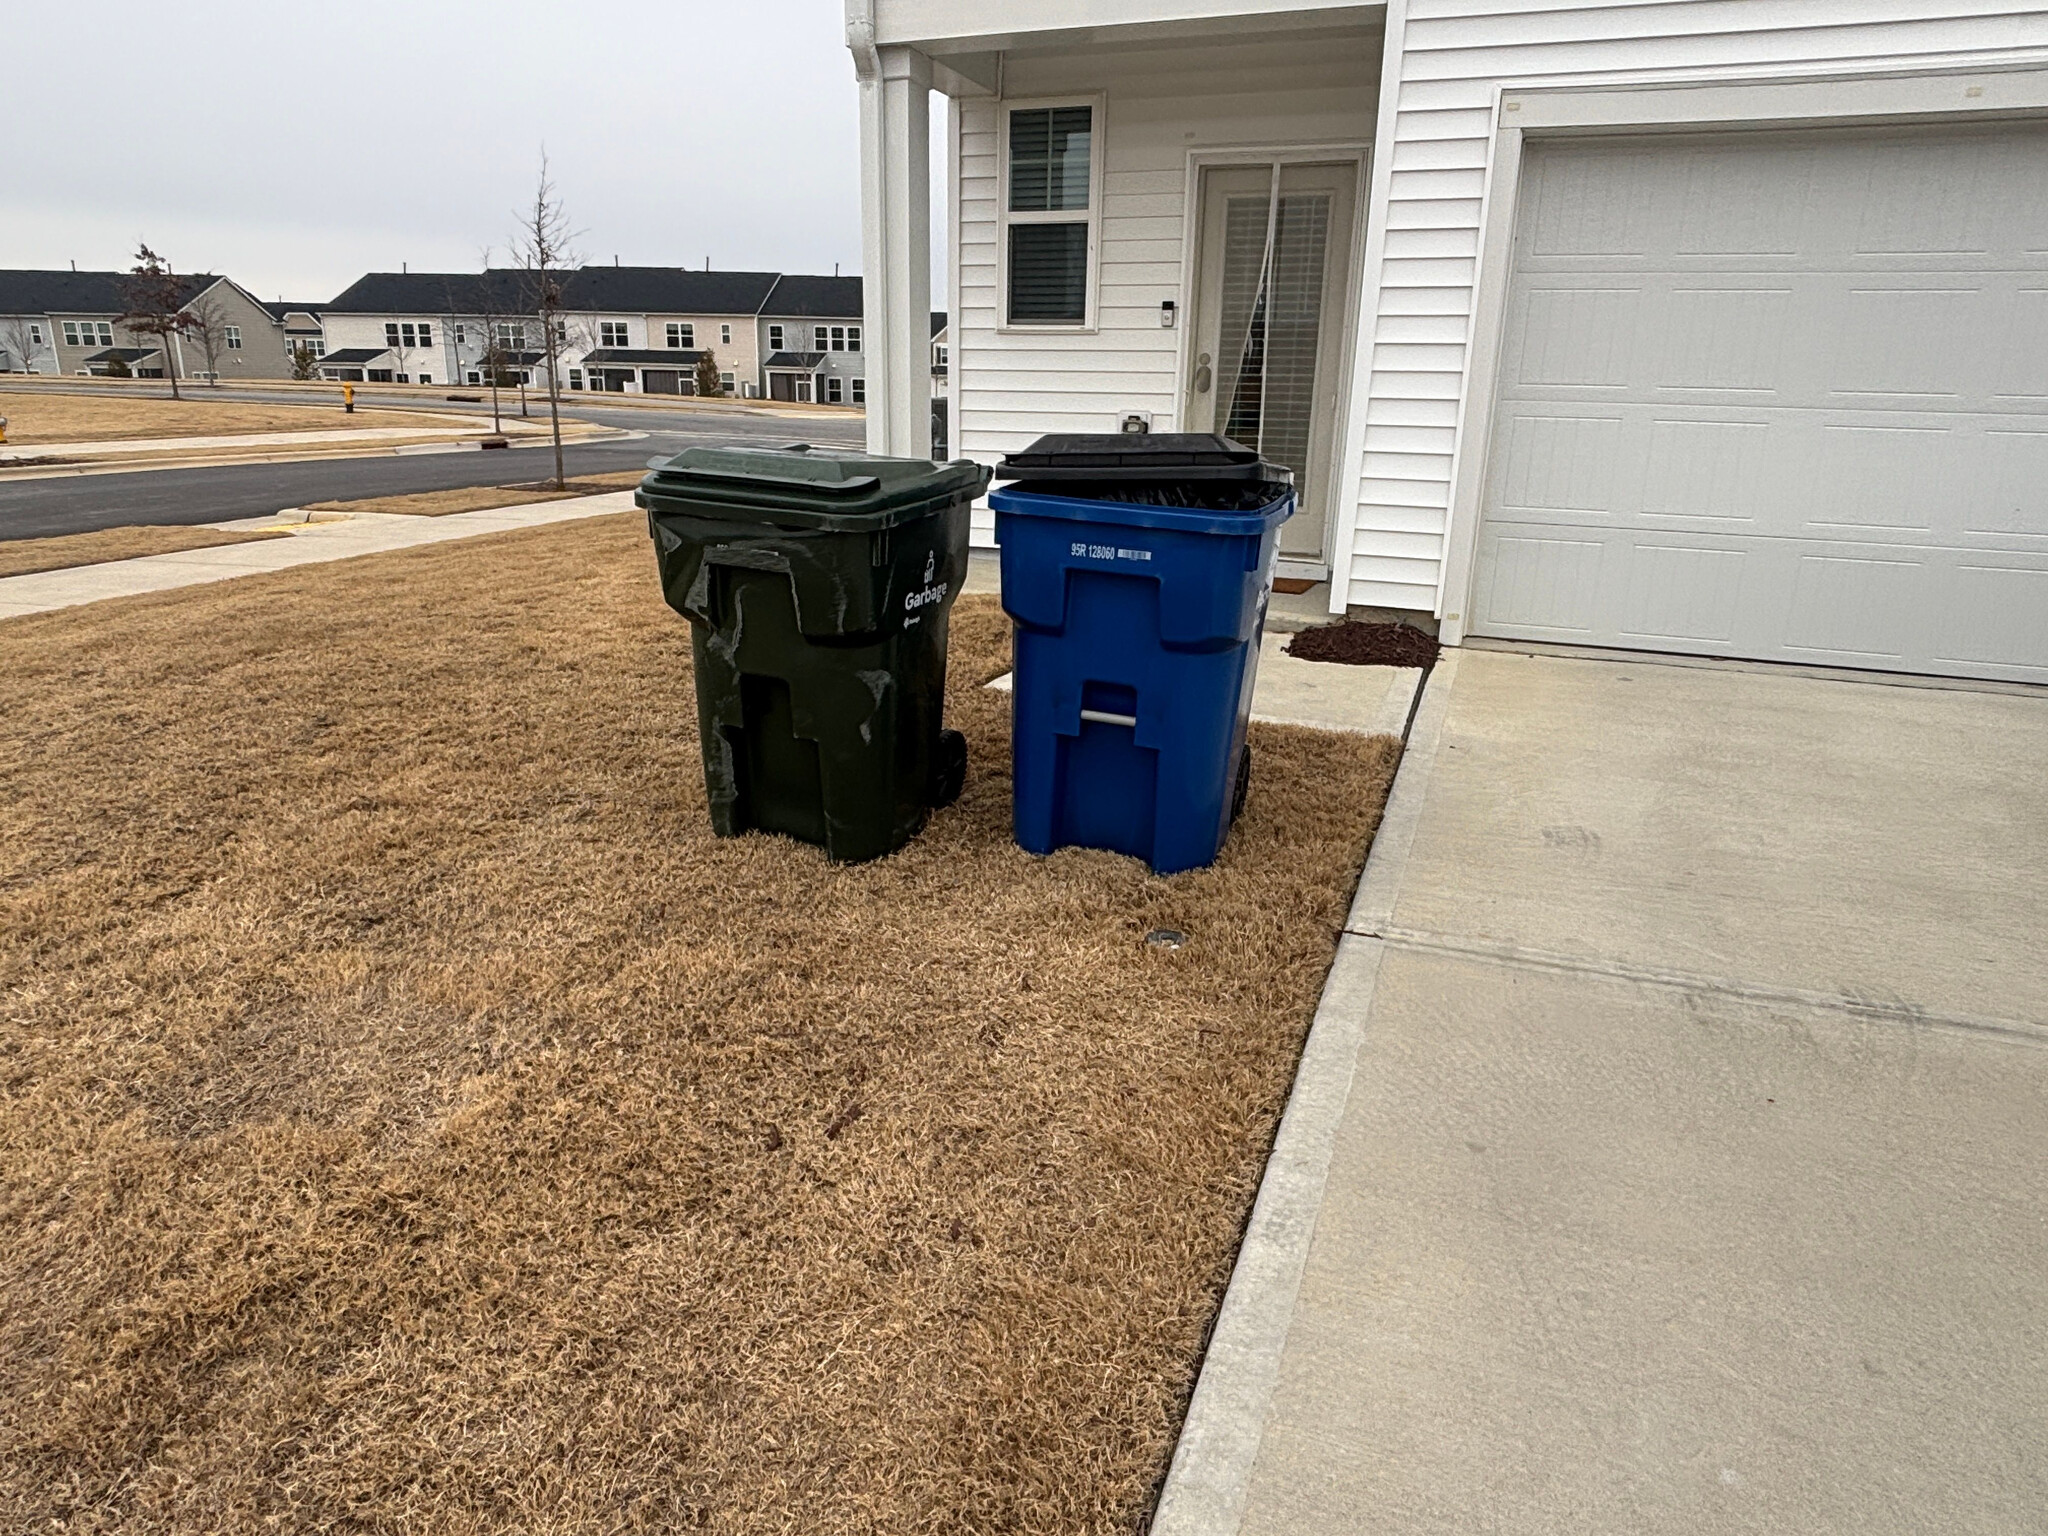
(1101, 457)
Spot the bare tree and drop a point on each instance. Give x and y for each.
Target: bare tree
(20, 341)
(209, 328)
(576, 332)
(489, 315)
(154, 300)
(395, 344)
(546, 255)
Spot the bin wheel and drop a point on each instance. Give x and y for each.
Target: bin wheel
(949, 769)
(1244, 783)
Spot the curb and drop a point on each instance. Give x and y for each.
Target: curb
(1210, 1477)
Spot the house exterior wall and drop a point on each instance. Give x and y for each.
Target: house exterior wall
(447, 360)
(42, 358)
(740, 357)
(70, 359)
(346, 331)
(1160, 104)
(1446, 65)
(261, 355)
(797, 333)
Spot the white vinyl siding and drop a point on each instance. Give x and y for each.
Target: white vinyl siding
(1437, 129)
(1158, 104)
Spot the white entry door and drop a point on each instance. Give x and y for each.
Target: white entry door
(1273, 281)
(1778, 395)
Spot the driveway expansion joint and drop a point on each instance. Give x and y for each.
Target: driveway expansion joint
(1493, 951)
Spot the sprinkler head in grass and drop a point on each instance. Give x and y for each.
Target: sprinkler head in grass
(1166, 938)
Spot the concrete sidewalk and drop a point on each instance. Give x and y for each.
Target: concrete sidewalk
(1667, 1154)
(310, 544)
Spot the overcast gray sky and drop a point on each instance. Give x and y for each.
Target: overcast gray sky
(295, 147)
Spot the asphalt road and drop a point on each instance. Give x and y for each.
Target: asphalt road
(33, 509)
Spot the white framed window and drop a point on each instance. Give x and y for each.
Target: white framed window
(775, 343)
(612, 333)
(939, 355)
(461, 334)
(474, 377)
(512, 334)
(426, 378)
(1051, 160)
(575, 378)
(725, 335)
(833, 388)
(234, 338)
(71, 334)
(681, 333)
(821, 338)
(87, 333)
(391, 333)
(853, 338)
(35, 335)
(726, 381)
(860, 391)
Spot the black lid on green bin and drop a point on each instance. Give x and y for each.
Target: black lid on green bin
(1102, 457)
(807, 487)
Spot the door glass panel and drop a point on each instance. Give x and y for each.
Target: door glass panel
(1273, 275)
(1273, 285)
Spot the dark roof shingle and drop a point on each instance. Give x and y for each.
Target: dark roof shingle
(36, 292)
(677, 357)
(509, 291)
(825, 298)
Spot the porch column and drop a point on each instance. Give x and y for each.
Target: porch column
(896, 247)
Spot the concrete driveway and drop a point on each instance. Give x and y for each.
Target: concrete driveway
(1671, 1150)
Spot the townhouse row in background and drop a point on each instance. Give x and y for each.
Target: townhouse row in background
(69, 323)
(635, 330)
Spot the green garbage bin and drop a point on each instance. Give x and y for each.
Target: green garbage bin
(818, 585)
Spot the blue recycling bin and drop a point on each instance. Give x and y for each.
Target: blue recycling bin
(1138, 599)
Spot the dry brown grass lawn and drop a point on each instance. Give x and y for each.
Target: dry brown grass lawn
(480, 498)
(40, 416)
(24, 557)
(414, 1120)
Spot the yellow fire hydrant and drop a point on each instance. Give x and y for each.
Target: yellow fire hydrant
(3, 429)
(348, 399)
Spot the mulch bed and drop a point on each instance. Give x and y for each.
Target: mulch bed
(414, 1120)
(1354, 643)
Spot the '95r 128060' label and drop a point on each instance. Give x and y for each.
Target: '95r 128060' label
(1107, 552)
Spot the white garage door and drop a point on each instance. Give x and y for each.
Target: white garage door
(1780, 396)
